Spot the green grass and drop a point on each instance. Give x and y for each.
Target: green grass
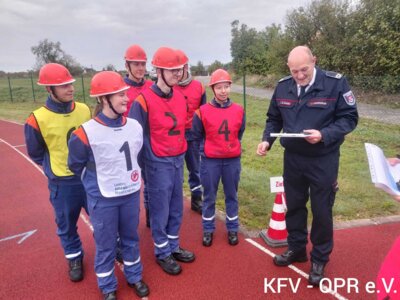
(22, 90)
(357, 197)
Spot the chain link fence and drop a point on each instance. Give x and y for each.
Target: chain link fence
(25, 89)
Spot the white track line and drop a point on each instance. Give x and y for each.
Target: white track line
(23, 155)
(12, 122)
(297, 270)
(19, 146)
(82, 216)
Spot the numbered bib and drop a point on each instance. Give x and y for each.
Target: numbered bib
(222, 126)
(115, 151)
(56, 129)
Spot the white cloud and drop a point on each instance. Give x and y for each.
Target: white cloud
(97, 33)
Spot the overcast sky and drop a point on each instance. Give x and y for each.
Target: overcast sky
(97, 33)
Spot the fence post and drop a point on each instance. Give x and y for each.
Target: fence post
(33, 88)
(83, 89)
(9, 86)
(244, 91)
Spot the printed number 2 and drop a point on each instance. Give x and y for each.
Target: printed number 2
(172, 131)
(125, 149)
(223, 129)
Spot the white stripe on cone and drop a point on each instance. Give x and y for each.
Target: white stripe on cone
(277, 225)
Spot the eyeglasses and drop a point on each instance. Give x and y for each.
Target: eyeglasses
(176, 71)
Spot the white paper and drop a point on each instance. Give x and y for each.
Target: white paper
(383, 175)
(290, 135)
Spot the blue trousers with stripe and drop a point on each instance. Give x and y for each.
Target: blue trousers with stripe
(164, 187)
(192, 159)
(67, 202)
(228, 171)
(113, 217)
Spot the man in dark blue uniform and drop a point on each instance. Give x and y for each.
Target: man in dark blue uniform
(321, 105)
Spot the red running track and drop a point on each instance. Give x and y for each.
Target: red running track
(33, 266)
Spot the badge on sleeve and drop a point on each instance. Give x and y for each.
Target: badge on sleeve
(349, 98)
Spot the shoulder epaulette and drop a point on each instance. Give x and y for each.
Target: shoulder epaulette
(333, 74)
(285, 78)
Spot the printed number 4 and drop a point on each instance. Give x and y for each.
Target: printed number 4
(125, 149)
(223, 129)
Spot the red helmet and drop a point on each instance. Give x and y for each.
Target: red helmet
(105, 83)
(218, 76)
(182, 54)
(54, 74)
(167, 58)
(135, 53)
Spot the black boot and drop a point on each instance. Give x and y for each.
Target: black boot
(110, 296)
(316, 273)
(183, 255)
(75, 269)
(207, 239)
(233, 238)
(289, 257)
(197, 203)
(169, 265)
(141, 289)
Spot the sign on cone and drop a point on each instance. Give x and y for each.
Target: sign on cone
(276, 234)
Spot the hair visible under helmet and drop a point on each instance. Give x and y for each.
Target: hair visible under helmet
(107, 83)
(166, 58)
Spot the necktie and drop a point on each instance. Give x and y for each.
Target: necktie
(302, 91)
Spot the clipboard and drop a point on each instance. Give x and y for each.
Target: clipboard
(290, 135)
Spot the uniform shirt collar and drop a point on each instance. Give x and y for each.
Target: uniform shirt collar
(160, 93)
(59, 107)
(130, 82)
(223, 105)
(310, 84)
(186, 82)
(110, 122)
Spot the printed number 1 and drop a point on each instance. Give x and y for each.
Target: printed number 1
(125, 149)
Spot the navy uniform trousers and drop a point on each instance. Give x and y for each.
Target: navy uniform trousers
(67, 202)
(165, 192)
(212, 171)
(192, 159)
(315, 178)
(111, 218)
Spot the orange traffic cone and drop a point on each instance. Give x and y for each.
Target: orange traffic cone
(276, 234)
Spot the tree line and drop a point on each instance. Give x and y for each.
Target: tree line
(358, 38)
(361, 40)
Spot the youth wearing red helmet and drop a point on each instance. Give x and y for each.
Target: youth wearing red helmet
(47, 130)
(135, 64)
(104, 151)
(220, 125)
(162, 113)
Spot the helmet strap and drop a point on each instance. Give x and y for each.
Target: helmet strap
(130, 73)
(111, 106)
(215, 95)
(165, 81)
(53, 93)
